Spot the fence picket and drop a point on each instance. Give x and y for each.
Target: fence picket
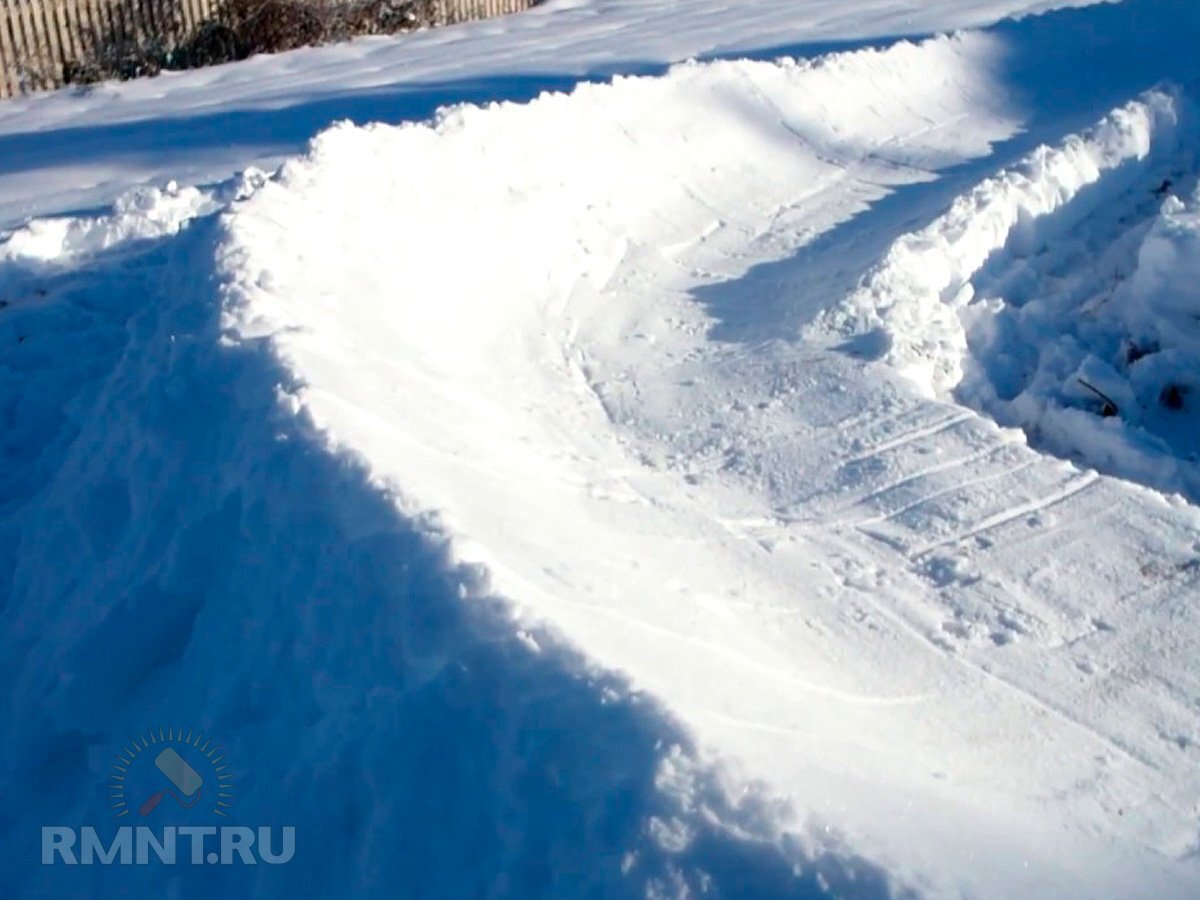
(115, 15)
(195, 15)
(104, 27)
(16, 27)
(93, 34)
(47, 53)
(66, 33)
(26, 42)
(8, 55)
(67, 30)
(43, 42)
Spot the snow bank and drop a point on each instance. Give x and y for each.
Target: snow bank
(1100, 366)
(1057, 297)
(141, 214)
(916, 296)
(1160, 304)
(138, 215)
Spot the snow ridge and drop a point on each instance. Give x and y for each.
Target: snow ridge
(916, 295)
(1041, 298)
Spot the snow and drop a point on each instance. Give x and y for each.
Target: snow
(673, 485)
(140, 214)
(86, 147)
(1126, 329)
(996, 286)
(916, 295)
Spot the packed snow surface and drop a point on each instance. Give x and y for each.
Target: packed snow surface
(701, 482)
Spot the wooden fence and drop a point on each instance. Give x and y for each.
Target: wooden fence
(451, 11)
(40, 40)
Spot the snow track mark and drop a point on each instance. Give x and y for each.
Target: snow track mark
(1000, 519)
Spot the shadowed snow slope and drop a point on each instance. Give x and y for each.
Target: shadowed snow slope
(178, 550)
(523, 496)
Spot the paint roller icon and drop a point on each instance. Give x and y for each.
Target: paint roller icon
(180, 774)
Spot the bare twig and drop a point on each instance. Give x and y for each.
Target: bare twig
(1110, 407)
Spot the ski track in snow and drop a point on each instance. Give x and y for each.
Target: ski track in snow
(518, 328)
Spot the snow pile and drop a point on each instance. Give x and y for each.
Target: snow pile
(141, 214)
(1161, 303)
(1099, 365)
(708, 153)
(1056, 298)
(916, 296)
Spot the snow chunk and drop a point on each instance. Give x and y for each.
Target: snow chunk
(137, 215)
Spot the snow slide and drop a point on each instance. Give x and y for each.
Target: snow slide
(538, 463)
(554, 398)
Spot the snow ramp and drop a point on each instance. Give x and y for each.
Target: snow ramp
(493, 487)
